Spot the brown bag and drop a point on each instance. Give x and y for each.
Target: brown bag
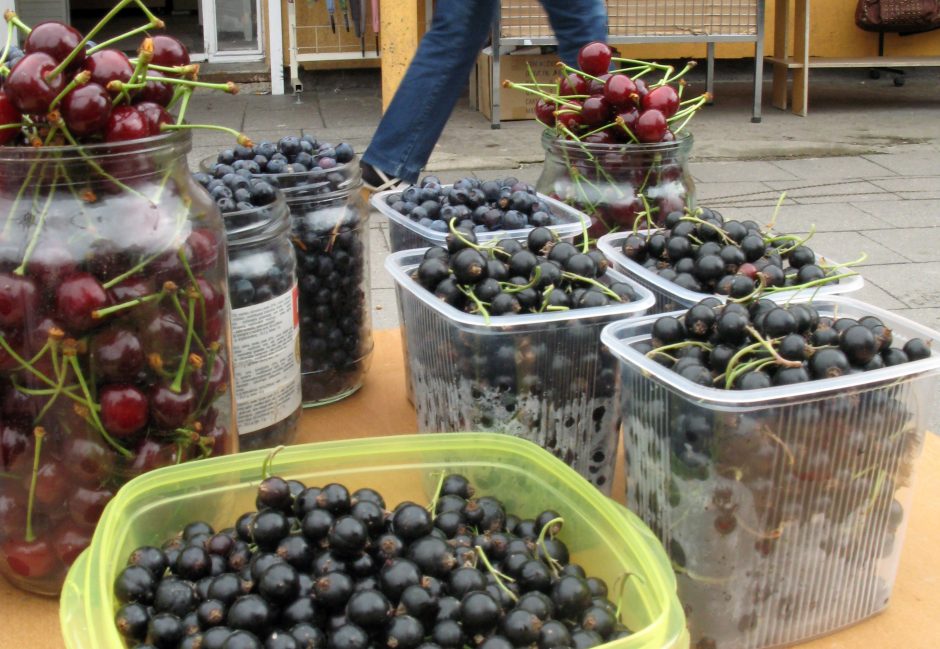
(897, 15)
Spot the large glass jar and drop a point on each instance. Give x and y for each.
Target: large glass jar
(114, 338)
(331, 237)
(615, 184)
(265, 324)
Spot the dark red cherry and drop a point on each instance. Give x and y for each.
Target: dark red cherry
(650, 126)
(131, 289)
(594, 58)
(125, 123)
(155, 115)
(124, 409)
(596, 86)
(77, 298)
(171, 409)
(203, 249)
(620, 91)
(151, 454)
(219, 439)
(89, 461)
(118, 354)
(86, 109)
(52, 484)
(545, 112)
(569, 119)
(603, 137)
(573, 84)
(216, 376)
(595, 111)
(33, 560)
(55, 39)
(107, 66)
(9, 114)
(155, 91)
(12, 510)
(662, 98)
(69, 540)
(18, 297)
(629, 118)
(16, 448)
(85, 505)
(169, 51)
(163, 333)
(50, 263)
(27, 86)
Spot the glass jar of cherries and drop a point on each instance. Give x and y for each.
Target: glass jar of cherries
(114, 337)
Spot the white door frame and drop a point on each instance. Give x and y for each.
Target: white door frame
(210, 35)
(11, 5)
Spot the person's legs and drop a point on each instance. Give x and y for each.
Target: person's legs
(575, 23)
(429, 91)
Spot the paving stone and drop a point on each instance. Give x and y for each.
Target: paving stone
(745, 170)
(915, 244)
(384, 309)
(907, 164)
(903, 213)
(833, 217)
(914, 285)
(836, 168)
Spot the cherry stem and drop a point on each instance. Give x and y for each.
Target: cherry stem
(211, 354)
(80, 47)
(184, 95)
(538, 93)
(19, 196)
(97, 167)
(228, 86)
(177, 385)
(5, 127)
(79, 79)
(497, 575)
(645, 64)
(241, 138)
(622, 124)
(461, 238)
(822, 281)
(34, 239)
(6, 47)
(10, 16)
(790, 237)
(561, 65)
(182, 70)
(147, 13)
(92, 410)
(594, 282)
(39, 434)
(60, 371)
(154, 24)
(108, 310)
(689, 111)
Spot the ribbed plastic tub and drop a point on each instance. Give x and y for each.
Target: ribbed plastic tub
(670, 296)
(405, 234)
(783, 509)
(606, 540)
(542, 377)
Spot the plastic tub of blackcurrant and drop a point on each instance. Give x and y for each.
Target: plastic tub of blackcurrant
(265, 330)
(783, 508)
(540, 376)
(671, 295)
(606, 541)
(419, 216)
(330, 231)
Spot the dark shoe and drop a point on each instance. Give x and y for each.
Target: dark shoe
(376, 180)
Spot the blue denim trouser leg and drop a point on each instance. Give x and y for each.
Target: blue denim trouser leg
(439, 71)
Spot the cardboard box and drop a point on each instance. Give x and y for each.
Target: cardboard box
(514, 104)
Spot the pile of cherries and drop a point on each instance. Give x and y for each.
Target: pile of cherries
(63, 89)
(293, 163)
(598, 105)
(489, 205)
(768, 344)
(703, 253)
(510, 278)
(322, 567)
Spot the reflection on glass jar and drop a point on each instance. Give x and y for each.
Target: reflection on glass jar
(616, 184)
(114, 338)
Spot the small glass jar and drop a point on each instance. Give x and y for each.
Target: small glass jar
(614, 184)
(265, 324)
(331, 238)
(114, 338)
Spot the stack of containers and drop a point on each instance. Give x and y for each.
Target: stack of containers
(543, 377)
(783, 509)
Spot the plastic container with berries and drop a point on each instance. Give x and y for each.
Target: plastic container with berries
(671, 294)
(540, 376)
(265, 323)
(420, 215)
(783, 508)
(607, 541)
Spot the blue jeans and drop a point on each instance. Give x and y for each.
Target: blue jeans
(439, 71)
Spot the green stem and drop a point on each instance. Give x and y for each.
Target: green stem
(768, 345)
(34, 239)
(185, 94)
(497, 575)
(6, 47)
(11, 213)
(724, 235)
(432, 506)
(540, 542)
(60, 375)
(269, 461)
(773, 218)
(108, 310)
(539, 93)
(23, 363)
(79, 79)
(561, 65)
(755, 365)
(92, 410)
(97, 167)
(228, 86)
(845, 264)
(816, 282)
(39, 433)
(88, 36)
(13, 19)
(177, 385)
(594, 282)
(241, 138)
(682, 345)
(481, 308)
(138, 30)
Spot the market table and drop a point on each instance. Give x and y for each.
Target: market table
(381, 408)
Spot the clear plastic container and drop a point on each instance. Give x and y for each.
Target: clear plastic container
(405, 234)
(783, 509)
(607, 541)
(330, 231)
(265, 328)
(542, 377)
(670, 296)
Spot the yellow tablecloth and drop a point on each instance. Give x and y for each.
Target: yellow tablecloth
(380, 408)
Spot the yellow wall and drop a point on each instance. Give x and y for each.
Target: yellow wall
(832, 33)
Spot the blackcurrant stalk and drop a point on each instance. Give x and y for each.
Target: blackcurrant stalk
(432, 506)
(498, 576)
(479, 304)
(548, 529)
(588, 280)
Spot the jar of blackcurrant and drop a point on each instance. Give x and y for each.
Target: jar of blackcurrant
(331, 238)
(265, 323)
(618, 184)
(114, 337)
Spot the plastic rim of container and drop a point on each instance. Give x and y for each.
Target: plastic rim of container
(574, 221)
(610, 245)
(399, 264)
(86, 606)
(619, 337)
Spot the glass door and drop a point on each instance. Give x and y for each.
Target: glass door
(232, 29)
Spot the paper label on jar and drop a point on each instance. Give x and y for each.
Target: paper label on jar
(266, 357)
